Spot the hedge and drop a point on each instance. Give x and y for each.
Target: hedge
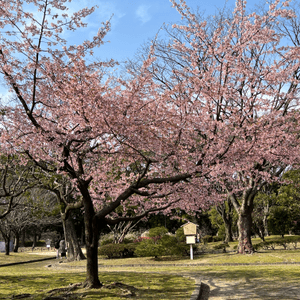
(221, 246)
(273, 243)
(117, 250)
(167, 245)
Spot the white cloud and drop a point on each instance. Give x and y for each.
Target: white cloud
(107, 10)
(5, 96)
(143, 14)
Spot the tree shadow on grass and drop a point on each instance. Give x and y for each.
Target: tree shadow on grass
(116, 285)
(35, 285)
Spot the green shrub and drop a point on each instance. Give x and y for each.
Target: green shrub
(221, 234)
(293, 240)
(218, 238)
(180, 235)
(172, 246)
(117, 250)
(207, 239)
(158, 232)
(201, 248)
(266, 245)
(221, 246)
(128, 240)
(149, 247)
(167, 245)
(129, 250)
(106, 241)
(273, 243)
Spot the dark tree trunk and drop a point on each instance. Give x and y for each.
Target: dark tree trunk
(244, 209)
(70, 235)
(259, 229)
(23, 238)
(16, 241)
(226, 214)
(6, 236)
(6, 241)
(244, 226)
(91, 241)
(265, 223)
(91, 238)
(34, 240)
(82, 237)
(6, 247)
(228, 231)
(74, 249)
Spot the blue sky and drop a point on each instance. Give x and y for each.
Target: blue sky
(136, 21)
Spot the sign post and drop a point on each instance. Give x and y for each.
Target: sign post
(191, 252)
(190, 231)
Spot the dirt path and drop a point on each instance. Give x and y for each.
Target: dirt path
(251, 289)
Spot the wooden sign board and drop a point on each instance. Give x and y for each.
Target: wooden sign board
(190, 229)
(190, 239)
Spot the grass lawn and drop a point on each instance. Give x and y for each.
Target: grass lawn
(229, 275)
(38, 280)
(23, 256)
(239, 280)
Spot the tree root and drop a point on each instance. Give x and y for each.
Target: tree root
(21, 296)
(127, 290)
(64, 293)
(89, 285)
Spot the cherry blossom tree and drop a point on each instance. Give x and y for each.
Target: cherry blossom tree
(139, 145)
(238, 83)
(118, 141)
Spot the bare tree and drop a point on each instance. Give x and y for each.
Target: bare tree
(34, 209)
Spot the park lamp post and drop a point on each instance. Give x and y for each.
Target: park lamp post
(190, 232)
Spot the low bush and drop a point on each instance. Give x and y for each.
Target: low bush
(207, 239)
(159, 243)
(158, 232)
(109, 238)
(106, 241)
(167, 245)
(180, 235)
(221, 246)
(117, 250)
(217, 238)
(149, 247)
(271, 244)
(128, 240)
(38, 244)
